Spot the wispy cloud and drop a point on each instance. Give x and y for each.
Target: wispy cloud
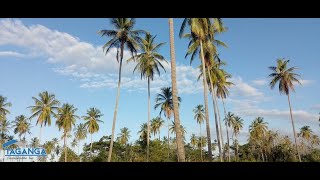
(12, 54)
(260, 82)
(305, 82)
(243, 89)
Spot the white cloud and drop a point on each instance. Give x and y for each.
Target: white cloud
(259, 82)
(243, 89)
(84, 61)
(315, 107)
(12, 54)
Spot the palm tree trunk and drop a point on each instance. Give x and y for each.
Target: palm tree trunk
(180, 144)
(215, 111)
(116, 107)
(159, 135)
(220, 125)
(65, 148)
(201, 145)
(205, 91)
(168, 138)
(91, 144)
(148, 130)
(228, 141)
(79, 150)
(294, 131)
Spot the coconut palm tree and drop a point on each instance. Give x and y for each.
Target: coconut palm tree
(156, 125)
(173, 130)
(80, 133)
(306, 133)
(92, 118)
(236, 124)
(49, 147)
(21, 126)
(286, 77)
(66, 119)
(229, 118)
(202, 31)
(143, 133)
(35, 142)
(199, 117)
(258, 130)
(4, 105)
(194, 140)
(175, 99)
(124, 136)
(5, 126)
(164, 100)
(315, 140)
(149, 62)
(45, 107)
(122, 36)
(74, 143)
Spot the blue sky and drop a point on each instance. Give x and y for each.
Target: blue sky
(64, 56)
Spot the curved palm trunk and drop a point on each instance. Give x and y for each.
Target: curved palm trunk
(205, 91)
(225, 115)
(148, 130)
(65, 147)
(179, 139)
(237, 149)
(220, 125)
(201, 145)
(294, 131)
(168, 139)
(215, 113)
(116, 107)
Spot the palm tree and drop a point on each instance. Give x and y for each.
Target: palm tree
(92, 118)
(3, 107)
(199, 117)
(305, 133)
(194, 140)
(122, 35)
(156, 124)
(66, 119)
(4, 130)
(143, 132)
(286, 77)
(49, 147)
(173, 130)
(74, 143)
(237, 125)
(258, 130)
(124, 136)
(35, 142)
(222, 86)
(21, 126)
(148, 63)
(175, 99)
(44, 108)
(314, 140)
(164, 100)
(229, 118)
(202, 32)
(80, 133)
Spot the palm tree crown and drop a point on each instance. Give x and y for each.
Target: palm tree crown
(92, 118)
(164, 101)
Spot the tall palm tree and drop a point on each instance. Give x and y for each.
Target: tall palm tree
(124, 135)
(80, 133)
(286, 76)
(199, 117)
(21, 126)
(4, 105)
(45, 107)
(92, 118)
(156, 125)
(122, 35)
(49, 147)
(5, 126)
(164, 100)
(148, 63)
(194, 140)
(237, 125)
(222, 92)
(202, 32)
(34, 142)
(66, 119)
(175, 99)
(229, 119)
